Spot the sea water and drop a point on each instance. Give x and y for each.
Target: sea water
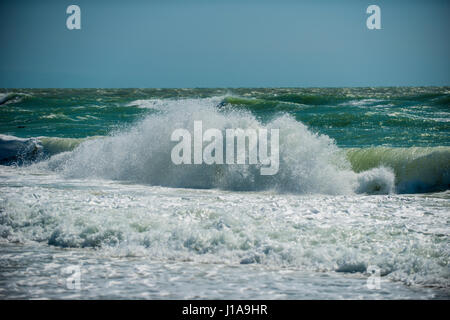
(87, 182)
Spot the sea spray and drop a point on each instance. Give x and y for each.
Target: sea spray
(309, 162)
(191, 242)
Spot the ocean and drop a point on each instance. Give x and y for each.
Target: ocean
(91, 205)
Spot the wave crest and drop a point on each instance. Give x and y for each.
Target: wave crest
(309, 162)
(417, 169)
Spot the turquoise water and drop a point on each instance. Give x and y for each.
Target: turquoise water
(354, 117)
(405, 129)
(86, 180)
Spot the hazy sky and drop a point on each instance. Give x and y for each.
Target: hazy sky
(212, 43)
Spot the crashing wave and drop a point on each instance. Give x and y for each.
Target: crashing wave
(309, 162)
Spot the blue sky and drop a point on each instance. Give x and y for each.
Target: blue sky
(212, 43)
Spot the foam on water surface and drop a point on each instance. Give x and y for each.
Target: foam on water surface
(363, 182)
(406, 237)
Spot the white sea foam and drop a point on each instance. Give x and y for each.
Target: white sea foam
(319, 223)
(405, 236)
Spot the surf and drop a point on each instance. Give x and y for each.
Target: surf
(309, 162)
(417, 169)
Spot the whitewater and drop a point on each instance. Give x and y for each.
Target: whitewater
(139, 226)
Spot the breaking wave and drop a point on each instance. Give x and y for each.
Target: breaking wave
(309, 162)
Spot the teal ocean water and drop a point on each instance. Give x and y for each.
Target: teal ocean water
(406, 129)
(354, 117)
(86, 179)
